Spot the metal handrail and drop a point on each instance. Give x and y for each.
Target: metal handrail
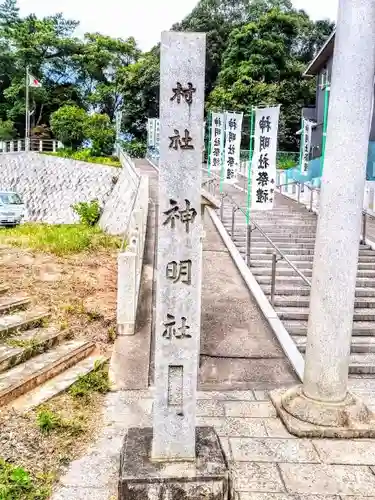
(283, 257)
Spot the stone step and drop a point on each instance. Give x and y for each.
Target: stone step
(291, 251)
(20, 348)
(22, 320)
(296, 280)
(38, 370)
(360, 328)
(3, 289)
(289, 271)
(57, 384)
(362, 364)
(358, 345)
(303, 264)
(304, 291)
(296, 301)
(8, 304)
(302, 313)
(306, 258)
(292, 238)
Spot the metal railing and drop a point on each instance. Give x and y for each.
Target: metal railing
(300, 189)
(277, 256)
(22, 145)
(300, 186)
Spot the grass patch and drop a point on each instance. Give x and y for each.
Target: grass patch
(95, 381)
(48, 420)
(84, 155)
(61, 239)
(17, 483)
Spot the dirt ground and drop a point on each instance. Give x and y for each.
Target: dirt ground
(79, 290)
(80, 293)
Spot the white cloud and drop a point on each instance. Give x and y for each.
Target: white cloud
(143, 19)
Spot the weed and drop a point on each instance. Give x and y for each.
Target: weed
(88, 212)
(112, 335)
(16, 483)
(95, 381)
(57, 239)
(79, 309)
(47, 420)
(64, 325)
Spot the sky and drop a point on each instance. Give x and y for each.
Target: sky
(142, 19)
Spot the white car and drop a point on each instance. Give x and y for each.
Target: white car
(12, 208)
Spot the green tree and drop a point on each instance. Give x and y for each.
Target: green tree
(101, 133)
(263, 65)
(100, 61)
(7, 130)
(69, 125)
(140, 90)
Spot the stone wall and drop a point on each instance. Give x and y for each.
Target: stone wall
(50, 185)
(119, 205)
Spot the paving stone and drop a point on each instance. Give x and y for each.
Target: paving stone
(256, 409)
(328, 479)
(226, 448)
(67, 493)
(232, 426)
(361, 452)
(208, 408)
(261, 395)
(351, 497)
(227, 395)
(256, 477)
(84, 472)
(273, 450)
(276, 429)
(282, 496)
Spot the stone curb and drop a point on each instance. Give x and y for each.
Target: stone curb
(285, 340)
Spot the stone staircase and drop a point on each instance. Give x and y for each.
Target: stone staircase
(293, 230)
(32, 352)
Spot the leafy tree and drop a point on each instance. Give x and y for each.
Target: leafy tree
(7, 130)
(101, 133)
(69, 125)
(263, 65)
(140, 90)
(100, 61)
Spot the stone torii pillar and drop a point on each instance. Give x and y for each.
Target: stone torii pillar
(323, 407)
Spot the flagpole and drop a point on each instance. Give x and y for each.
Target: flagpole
(27, 118)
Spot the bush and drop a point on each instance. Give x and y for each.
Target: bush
(86, 155)
(101, 133)
(16, 483)
(68, 124)
(89, 212)
(7, 130)
(135, 148)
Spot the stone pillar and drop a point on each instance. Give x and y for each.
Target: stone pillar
(179, 278)
(324, 399)
(199, 469)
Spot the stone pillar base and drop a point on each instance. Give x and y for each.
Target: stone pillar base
(305, 417)
(140, 478)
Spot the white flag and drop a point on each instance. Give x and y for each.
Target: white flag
(233, 136)
(217, 141)
(263, 167)
(34, 82)
(151, 132)
(305, 145)
(157, 133)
